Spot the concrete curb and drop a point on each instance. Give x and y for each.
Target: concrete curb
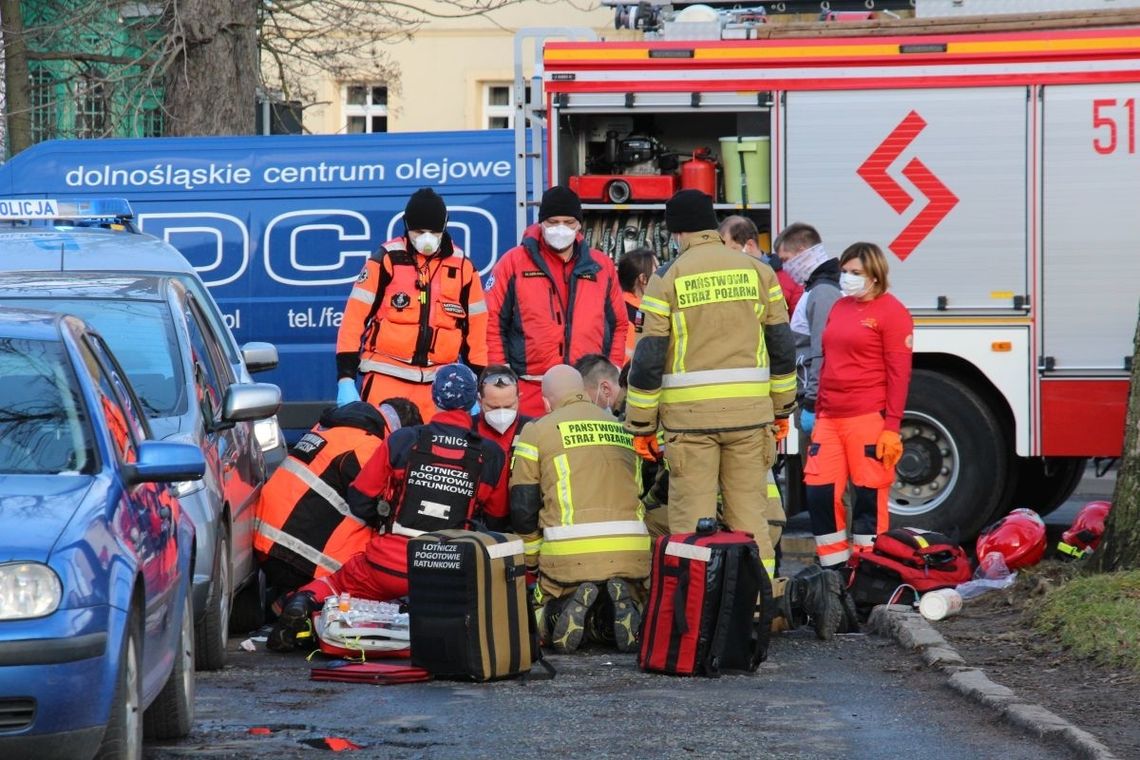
(913, 632)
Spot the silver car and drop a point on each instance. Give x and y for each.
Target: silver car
(177, 363)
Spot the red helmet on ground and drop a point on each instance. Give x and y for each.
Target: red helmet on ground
(1019, 537)
(1083, 536)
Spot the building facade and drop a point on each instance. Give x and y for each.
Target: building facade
(453, 73)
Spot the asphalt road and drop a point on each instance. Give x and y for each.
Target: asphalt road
(856, 697)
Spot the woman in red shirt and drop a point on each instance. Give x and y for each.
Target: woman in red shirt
(863, 385)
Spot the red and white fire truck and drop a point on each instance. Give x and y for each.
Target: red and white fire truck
(994, 159)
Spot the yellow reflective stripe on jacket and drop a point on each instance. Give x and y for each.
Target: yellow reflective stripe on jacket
(761, 350)
(717, 287)
(784, 383)
(565, 497)
(532, 547)
(680, 341)
(715, 377)
(526, 451)
(775, 293)
(605, 545)
(713, 392)
(642, 399)
(655, 306)
(773, 491)
(770, 567)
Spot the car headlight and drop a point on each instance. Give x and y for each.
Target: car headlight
(183, 488)
(28, 590)
(268, 433)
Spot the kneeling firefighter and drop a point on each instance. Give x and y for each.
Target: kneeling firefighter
(574, 502)
(425, 478)
(304, 527)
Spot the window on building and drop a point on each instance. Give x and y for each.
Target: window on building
(45, 114)
(365, 108)
(499, 105)
(152, 121)
(90, 108)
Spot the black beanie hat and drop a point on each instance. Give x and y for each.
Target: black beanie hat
(425, 211)
(690, 211)
(560, 201)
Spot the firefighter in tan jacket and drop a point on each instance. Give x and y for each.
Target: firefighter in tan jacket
(715, 367)
(574, 499)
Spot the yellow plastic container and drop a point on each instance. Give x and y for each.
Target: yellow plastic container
(747, 165)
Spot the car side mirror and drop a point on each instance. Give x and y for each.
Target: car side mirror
(259, 357)
(250, 401)
(165, 461)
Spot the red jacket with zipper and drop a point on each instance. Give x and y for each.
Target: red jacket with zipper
(536, 321)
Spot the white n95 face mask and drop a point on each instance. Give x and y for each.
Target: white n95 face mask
(500, 419)
(852, 284)
(427, 243)
(559, 237)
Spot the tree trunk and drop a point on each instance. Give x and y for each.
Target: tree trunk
(1120, 549)
(17, 84)
(211, 81)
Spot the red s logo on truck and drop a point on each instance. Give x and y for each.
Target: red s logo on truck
(874, 173)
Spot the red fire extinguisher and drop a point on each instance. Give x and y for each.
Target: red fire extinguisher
(699, 173)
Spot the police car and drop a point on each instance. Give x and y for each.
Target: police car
(98, 237)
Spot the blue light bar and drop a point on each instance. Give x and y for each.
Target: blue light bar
(18, 209)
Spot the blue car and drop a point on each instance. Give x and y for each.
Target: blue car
(96, 556)
(188, 393)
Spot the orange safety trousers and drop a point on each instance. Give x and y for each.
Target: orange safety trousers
(377, 387)
(842, 449)
(380, 573)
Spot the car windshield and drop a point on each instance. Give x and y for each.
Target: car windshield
(43, 423)
(141, 335)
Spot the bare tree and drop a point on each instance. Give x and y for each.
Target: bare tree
(195, 65)
(1120, 549)
(98, 61)
(211, 72)
(17, 87)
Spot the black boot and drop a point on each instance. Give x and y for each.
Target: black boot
(295, 618)
(817, 595)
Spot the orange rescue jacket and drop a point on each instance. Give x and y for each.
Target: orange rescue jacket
(409, 313)
(302, 516)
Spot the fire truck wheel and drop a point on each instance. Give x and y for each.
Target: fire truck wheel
(1047, 482)
(618, 191)
(956, 456)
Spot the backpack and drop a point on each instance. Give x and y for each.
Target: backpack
(438, 493)
(903, 564)
(710, 605)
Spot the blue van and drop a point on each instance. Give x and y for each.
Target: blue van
(278, 228)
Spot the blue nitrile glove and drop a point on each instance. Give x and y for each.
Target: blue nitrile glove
(476, 409)
(807, 421)
(346, 391)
